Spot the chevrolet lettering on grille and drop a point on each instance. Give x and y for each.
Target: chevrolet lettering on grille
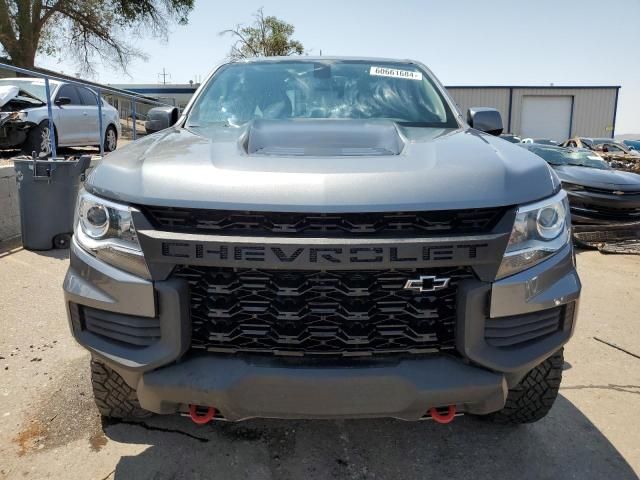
(295, 255)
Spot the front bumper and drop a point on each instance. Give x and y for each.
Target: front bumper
(168, 376)
(13, 133)
(603, 208)
(243, 388)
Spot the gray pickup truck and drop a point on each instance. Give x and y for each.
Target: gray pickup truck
(324, 238)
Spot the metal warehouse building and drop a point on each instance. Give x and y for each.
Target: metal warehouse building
(546, 112)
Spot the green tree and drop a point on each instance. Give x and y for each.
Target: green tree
(266, 37)
(84, 30)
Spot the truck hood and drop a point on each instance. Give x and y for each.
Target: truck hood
(593, 177)
(211, 168)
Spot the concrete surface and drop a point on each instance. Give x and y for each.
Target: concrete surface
(49, 427)
(10, 214)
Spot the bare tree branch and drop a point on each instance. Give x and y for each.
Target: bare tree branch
(84, 29)
(267, 36)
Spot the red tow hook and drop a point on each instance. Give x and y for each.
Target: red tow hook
(201, 419)
(443, 418)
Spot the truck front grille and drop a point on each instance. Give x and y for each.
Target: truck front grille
(409, 224)
(293, 312)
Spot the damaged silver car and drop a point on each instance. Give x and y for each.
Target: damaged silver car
(24, 121)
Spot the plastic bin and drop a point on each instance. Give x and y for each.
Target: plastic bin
(47, 191)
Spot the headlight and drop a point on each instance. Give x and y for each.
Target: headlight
(15, 116)
(540, 230)
(105, 229)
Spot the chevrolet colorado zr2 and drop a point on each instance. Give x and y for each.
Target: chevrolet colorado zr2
(324, 238)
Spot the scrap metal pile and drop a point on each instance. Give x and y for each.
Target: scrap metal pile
(619, 160)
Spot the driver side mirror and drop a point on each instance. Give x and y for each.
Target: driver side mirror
(159, 118)
(62, 101)
(485, 119)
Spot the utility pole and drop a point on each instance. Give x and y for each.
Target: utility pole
(164, 76)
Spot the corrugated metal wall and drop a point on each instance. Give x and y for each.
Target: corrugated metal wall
(497, 98)
(593, 108)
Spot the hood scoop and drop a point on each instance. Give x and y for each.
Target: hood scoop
(323, 137)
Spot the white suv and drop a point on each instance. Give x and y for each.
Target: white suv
(24, 120)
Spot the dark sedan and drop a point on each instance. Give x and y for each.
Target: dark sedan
(597, 193)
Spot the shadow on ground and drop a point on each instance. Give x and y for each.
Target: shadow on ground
(564, 445)
(13, 246)
(56, 253)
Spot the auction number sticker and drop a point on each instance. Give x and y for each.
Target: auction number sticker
(395, 73)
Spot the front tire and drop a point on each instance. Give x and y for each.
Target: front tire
(533, 397)
(113, 397)
(38, 140)
(110, 139)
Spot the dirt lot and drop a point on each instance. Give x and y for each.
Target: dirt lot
(49, 427)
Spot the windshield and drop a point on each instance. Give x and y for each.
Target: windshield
(34, 87)
(577, 158)
(242, 92)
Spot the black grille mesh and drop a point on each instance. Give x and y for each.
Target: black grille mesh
(417, 224)
(320, 312)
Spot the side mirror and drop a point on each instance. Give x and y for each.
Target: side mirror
(159, 118)
(484, 119)
(62, 101)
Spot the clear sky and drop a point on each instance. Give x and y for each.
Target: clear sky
(465, 42)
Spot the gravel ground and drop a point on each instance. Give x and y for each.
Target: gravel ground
(49, 427)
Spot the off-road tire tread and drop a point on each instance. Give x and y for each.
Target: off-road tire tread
(113, 397)
(533, 397)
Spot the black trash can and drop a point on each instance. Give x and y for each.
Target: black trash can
(47, 191)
